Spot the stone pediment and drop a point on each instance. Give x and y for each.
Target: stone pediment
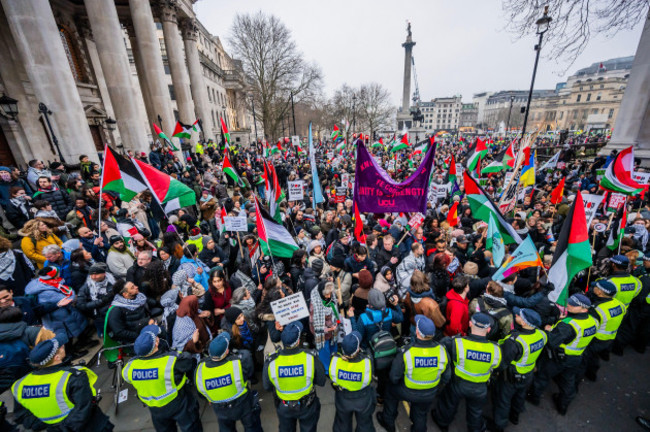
(93, 111)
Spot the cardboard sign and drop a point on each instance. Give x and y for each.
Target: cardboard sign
(295, 140)
(416, 221)
(235, 223)
(296, 190)
(289, 309)
(641, 177)
(341, 194)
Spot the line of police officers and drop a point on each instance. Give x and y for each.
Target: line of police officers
(57, 396)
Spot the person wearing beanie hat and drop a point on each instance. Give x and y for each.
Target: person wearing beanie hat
(627, 286)
(159, 379)
(609, 313)
(196, 238)
(567, 341)
(351, 373)
(95, 295)
(223, 380)
(291, 373)
(418, 371)
(521, 350)
(234, 322)
(211, 254)
(474, 359)
(38, 395)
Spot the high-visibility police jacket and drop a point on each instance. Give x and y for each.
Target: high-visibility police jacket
(351, 375)
(45, 395)
(292, 375)
(199, 148)
(222, 383)
(627, 287)
(531, 345)
(424, 366)
(153, 379)
(585, 330)
(475, 359)
(610, 316)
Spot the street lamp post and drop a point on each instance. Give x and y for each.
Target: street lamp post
(512, 99)
(542, 27)
(46, 113)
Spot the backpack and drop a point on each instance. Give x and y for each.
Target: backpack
(494, 334)
(382, 344)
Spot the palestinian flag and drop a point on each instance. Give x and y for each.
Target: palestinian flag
(480, 151)
(170, 193)
(119, 175)
(558, 192)
(274, 238)
(196, 127)
(230, 171)
(358, 226)
(453, 218)
(509, 157)
(618, 175)
(618, 229)
(273, 191)
(339, 148)
(378, 144)
(164, 137)
(220, 221)
(402, 144)
(224, 132)
(482, 207)
(182, 131)
(336, 133)
(452, 175)
(572, 252)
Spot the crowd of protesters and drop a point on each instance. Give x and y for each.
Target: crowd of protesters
(63, 263)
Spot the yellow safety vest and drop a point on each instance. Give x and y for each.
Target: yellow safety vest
(423, 366)
(352, 376)
(292, 375)
(627, 287)
(197, 242)
(585, 330)
(153, 379)
(532, 345)
(45, 395)
(475, 360)
(199, 149)
(223, 383)
(611, 315)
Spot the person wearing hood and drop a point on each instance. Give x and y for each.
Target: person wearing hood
(15, 269)
(420, 300)
(7, 181)
(18, 207)
(323, 318)
(15, 339)
(212, 255)
(119, 259)
(36, 169)
(316, 252)
(96, 294)
(190, 333)
(385, 281)
(59, 199)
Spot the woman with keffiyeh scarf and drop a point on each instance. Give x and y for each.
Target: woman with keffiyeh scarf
(190, 333)
(323, 319)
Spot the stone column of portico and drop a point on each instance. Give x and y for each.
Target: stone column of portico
(190, 36)
(39, 44)
(632, 126)
(176, 60)
(149, 65)
(114, 59)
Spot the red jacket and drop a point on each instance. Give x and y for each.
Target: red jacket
(457, 313)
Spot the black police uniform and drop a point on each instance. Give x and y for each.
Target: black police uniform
(355, 403)
(635, 328)
(307, 411)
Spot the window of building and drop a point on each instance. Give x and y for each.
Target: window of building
(578, 98)
(588, 97)
(599, 96)
(172, 94)
(209, 97)
(167, 70)
(561, 114)
(611, 113)
(594, 111)
(602, 86)
(72, 54)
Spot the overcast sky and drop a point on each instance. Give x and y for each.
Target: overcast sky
(462, 47)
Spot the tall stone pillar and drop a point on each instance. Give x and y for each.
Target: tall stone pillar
(632, 126)
(190, 36)
(41, 50)
(151, 70)
(408, 61)
(176, 60)
(113, 57)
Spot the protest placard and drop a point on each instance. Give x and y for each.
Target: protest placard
(341, 194)
(289, 309)
(641, 177)
(616, 201)
(235, 223)
(416, 221)
(345, 179)
(295, 140)
(296, 190)
(592, 202)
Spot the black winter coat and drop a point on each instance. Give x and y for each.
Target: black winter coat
(60, 201)
(23, 273)
(15, 216)
(124, 325)
(95, 309)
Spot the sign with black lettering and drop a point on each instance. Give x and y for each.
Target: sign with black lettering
(296, 190)
(234, 223)
(289, 309)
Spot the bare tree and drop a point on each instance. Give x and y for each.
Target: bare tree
(277, 69)
(574, 22)
(374, 107)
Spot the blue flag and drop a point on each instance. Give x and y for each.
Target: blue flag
(494, 242)
(318, 193)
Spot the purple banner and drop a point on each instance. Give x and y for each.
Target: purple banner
(376, 192)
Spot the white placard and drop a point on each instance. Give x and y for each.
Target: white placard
(507, 177)
(289, 309)
(345, 179)
(235, 223)
(295, 140)
(124, 395)
(296, 190)
(330, 155)
(459, 171)
(641, 177)
(591, 202)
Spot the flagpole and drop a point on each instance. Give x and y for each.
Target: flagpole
(624, 222)
(101, 187)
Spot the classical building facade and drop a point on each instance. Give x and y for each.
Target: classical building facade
(468, 115)
(105, 70)
(441, 114)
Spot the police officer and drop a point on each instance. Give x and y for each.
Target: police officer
(223, 380)
(351, 374)
(474, 359)
(567, 340)
(57, 396)
(635, 328)
(418, 371)
(160, 380)
(609, 313)
(520, 350)
(627, 286)
(291, 374)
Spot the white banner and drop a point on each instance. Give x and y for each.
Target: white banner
(234, 223)
(591, 202)
(641, 177)
(345, 179)
(295, 140)
(296, 190)
(289, 309)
